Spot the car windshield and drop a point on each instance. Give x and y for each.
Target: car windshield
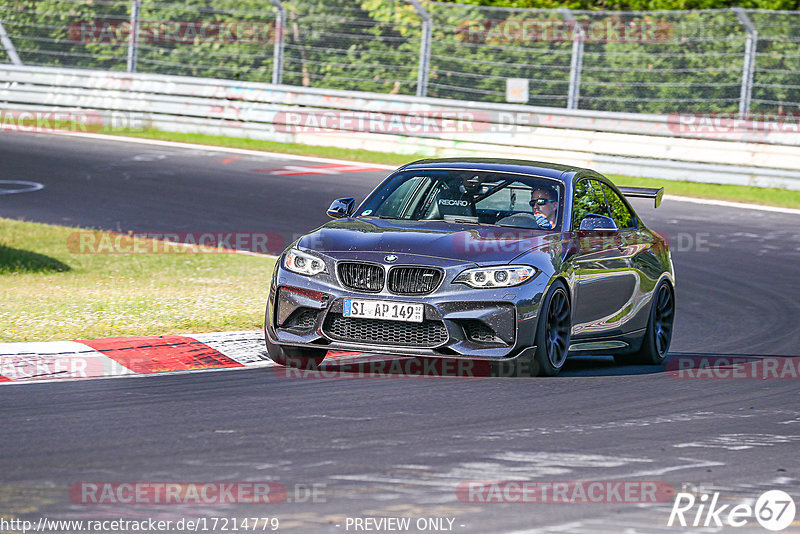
(489, 198)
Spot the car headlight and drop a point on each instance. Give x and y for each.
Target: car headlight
(303, 263)
(505, 276)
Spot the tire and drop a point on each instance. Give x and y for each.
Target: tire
(658, 335)
(295, 357)
(552, 332)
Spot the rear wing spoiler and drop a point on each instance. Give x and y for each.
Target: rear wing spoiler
(644, 192)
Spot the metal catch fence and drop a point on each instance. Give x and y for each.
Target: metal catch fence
(737, 61)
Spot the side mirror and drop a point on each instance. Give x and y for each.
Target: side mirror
(598, 222)
(342, 207)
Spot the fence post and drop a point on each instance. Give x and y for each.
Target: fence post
(9, 46)
(133, 38)
(280, 33)
(748, 71)
(424, 48)
(576, 62)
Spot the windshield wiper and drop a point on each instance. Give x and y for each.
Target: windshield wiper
(465, 221)
(537, 227)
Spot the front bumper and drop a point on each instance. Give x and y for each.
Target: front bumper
(459, 321)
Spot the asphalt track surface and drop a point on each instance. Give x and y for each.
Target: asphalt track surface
(386, 447)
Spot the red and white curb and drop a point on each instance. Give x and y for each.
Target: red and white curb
(125, 356)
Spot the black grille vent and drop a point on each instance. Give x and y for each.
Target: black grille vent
(378, 331)
(414, 280)
(302, 320)
(361, 276)
(479, 332)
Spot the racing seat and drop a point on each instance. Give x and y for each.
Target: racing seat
(452, 202)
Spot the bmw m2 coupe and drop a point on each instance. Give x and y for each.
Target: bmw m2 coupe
(482, 259)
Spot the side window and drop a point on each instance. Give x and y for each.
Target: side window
(394, 205)
(589, 198)
(619, 211)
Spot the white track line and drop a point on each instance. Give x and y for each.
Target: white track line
(247, 152)
(29, 187)
(728, 204)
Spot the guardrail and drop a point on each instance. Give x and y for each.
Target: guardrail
(683, 147)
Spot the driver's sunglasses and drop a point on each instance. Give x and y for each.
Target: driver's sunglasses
(540, 202)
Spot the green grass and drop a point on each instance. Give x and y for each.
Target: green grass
(737, 193)
(49, 292)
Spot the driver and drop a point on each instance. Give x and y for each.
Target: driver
(544, 203)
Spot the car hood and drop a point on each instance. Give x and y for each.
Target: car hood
(482, 245)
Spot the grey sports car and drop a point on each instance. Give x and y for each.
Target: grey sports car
(483, 259)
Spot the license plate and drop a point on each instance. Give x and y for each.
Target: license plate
(383, 309)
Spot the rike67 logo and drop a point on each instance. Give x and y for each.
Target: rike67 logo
(774, 510)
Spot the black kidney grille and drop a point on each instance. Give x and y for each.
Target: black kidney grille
(378, 331)
(414, 280)
(361, 276)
